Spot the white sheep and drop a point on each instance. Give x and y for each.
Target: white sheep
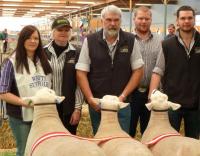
(119, 143)
(48, 137)
(160, 137)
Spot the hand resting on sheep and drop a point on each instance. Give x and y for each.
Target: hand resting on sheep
(46, 122)
(120, 143)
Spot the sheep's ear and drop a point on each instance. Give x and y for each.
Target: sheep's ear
(59, 99)
(149, 106)
(174, 106)
(123, 105)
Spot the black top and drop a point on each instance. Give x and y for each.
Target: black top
(107, 76)
(69, 81)
(181, 81)
(59, 49)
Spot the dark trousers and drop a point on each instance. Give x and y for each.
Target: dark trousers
(139, 112)
(191, 121)
(65, 118)
(5, 45)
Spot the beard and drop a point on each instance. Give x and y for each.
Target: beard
(187, 30)
(143, 30)
(113, 32)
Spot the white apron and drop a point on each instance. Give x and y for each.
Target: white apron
(29, 84)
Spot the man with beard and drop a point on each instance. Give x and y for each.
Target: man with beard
(171, 31)
(181, 81)
(109, 64)
(151, 51)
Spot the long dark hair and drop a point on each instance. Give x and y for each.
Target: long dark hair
(21, 55)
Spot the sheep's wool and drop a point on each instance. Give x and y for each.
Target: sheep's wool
(110, 102)
(159, 101)
(45, 95)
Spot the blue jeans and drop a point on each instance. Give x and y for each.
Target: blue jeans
(124, 116)
(20, 131)
(191, 121)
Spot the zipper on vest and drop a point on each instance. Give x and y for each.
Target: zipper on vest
(112, 64)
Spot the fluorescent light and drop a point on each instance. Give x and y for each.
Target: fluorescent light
(29, 15)
(80, 2)
(10, 9)
(42, 6)
(13, 11)
(48, 1)
(61, 10)
(10, 5)
(143, 4)
(32, 12)
(50, 15)
(36, 9)
(10, 15)
(56, 13)
(75, 7)
(13, 0)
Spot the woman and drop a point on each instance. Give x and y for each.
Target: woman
(63, 57)
(22, 74)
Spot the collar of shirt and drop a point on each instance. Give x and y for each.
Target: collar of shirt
(181, 41)
(114, 43)
(51, 49)
(150, 36)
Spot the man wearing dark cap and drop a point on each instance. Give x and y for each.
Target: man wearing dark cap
(63, 56)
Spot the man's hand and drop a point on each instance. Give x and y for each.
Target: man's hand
(75, 118)
(26, 102)
(122, 98)
(94, 103)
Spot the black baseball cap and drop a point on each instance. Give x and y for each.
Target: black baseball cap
(60, 22)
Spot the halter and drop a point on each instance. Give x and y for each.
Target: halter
(48, 136)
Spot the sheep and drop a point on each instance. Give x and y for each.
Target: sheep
(46, 121)
(160, 137)
(118, 142)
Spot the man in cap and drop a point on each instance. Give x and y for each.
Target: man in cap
(63, 56)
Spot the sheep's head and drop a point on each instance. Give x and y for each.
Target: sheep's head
(44, 96)
(110, 102)
(159, 101)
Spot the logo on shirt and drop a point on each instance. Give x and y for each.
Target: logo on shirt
(72, 61)
(124, 49)
(39, 81)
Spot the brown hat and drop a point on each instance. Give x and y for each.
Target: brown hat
(60, 22)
